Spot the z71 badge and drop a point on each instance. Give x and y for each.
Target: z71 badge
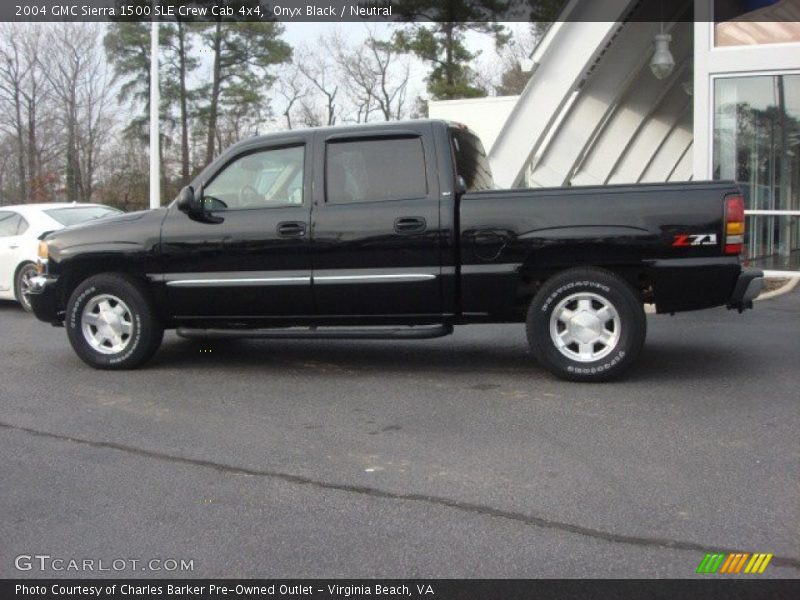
(695, 239)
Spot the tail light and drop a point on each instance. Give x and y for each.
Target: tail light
(734, 224)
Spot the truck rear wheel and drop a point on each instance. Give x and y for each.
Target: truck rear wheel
(586, 325)
(110, 323)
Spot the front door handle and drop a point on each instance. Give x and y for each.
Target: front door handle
(410, 225)
(292, 229)
(13, 246)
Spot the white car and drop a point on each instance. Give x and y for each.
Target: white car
(21, 226)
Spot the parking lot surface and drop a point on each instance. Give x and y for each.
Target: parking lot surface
(457, 457)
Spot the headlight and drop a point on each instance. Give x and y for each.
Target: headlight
(44, 255)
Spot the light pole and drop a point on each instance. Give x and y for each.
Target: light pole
(155, 99)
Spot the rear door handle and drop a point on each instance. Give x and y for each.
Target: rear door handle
(410, 225)
(13, 247)
(292, 229)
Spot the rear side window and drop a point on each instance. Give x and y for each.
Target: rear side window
(375, 170)
(9, 223)
(80, 214)
(471, 161)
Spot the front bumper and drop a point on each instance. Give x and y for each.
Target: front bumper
(748, 286)
(43, 295)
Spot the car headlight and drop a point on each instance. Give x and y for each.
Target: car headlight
(44, 255)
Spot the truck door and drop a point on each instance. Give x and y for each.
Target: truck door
(376, 226)
(253, 259)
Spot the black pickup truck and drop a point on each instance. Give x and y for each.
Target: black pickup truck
(393, 231)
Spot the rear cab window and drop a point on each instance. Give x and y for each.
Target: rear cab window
(470, 160)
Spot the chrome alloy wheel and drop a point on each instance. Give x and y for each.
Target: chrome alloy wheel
(107, 324)
(585, 327)
(27, 273)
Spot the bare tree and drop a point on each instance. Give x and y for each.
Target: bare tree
(26, 110)
(35, 96)
(80, 82)
(334, 81)
(376, 77)
(316, 64)
(94, 116)
(292, 87)
(14, 69)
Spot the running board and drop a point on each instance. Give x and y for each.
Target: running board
(325, 333)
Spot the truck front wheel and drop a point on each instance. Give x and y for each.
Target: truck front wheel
(111, 324)
(586, 325)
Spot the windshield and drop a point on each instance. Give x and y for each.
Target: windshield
(471, 161)
(80, 214)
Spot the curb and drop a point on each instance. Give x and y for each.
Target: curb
(784, 289)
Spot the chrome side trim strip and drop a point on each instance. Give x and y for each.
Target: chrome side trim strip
(397, 278)
(327, 277)
(238, 282)
(491, 268)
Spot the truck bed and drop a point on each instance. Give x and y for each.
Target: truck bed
(649, 233)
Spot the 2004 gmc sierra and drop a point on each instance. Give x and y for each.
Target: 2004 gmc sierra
(393, 231)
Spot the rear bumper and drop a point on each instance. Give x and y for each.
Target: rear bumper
(748, 286)
(43, 295)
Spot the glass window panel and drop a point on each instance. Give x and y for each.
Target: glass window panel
(757, 144)
(9, 222)
(374, 170)
(773, 242)
(263, 179)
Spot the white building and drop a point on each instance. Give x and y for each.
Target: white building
(593, 111)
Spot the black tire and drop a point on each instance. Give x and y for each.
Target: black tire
(121, 294)
(604, 334)
(24, 273)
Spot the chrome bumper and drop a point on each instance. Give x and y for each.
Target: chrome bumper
(40, 283)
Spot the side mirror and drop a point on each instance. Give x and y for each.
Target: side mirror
(461, 186)
(192, 204)
(186, 201)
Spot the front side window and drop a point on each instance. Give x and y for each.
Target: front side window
(9, 223)
(375, 170)
(264, 179)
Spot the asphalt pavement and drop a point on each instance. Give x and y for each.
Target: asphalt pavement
(457, 457)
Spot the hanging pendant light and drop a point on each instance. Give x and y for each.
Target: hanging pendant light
(662, 62)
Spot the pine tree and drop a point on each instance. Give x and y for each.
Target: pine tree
(441, 41)
(243, 54)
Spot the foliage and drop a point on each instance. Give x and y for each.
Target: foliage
(438, 37)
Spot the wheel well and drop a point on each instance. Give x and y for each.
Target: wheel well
(639, 278)
(74, 277)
